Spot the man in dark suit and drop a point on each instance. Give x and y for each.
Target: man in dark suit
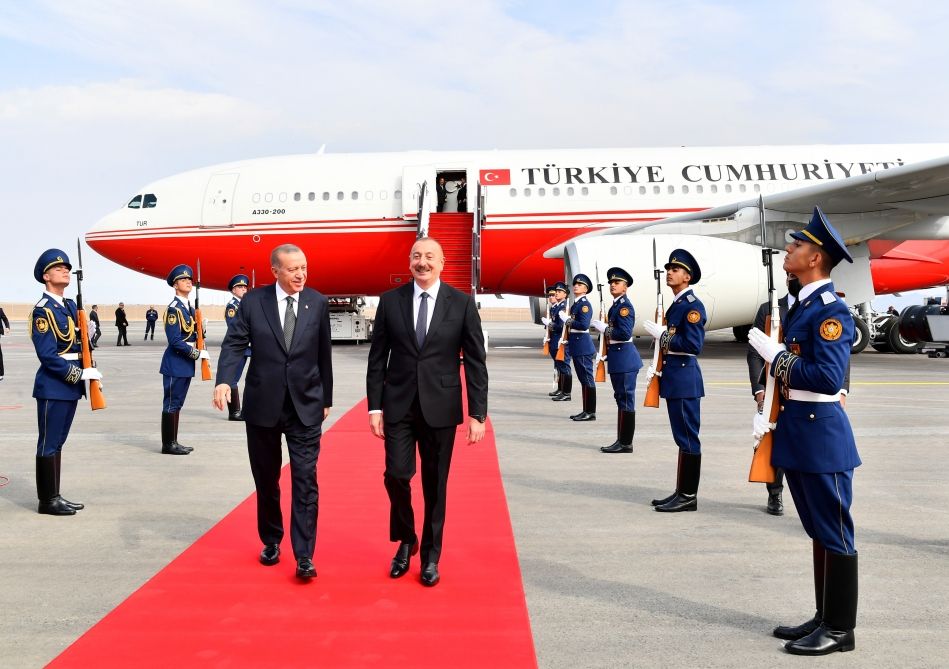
(288, 391)
(122, 323)
(94, 317)
(413, 384)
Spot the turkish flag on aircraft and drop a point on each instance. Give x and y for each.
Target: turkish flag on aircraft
(495, 177)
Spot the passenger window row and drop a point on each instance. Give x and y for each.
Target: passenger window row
(569, 191)
(326, 196)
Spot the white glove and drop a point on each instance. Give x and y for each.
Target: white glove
(90, 374)
(204, 355)
(762, 343)
(545, 321)
(563, 314)
(760, 426)
(651, 372)
(654, 329)
(599, 325)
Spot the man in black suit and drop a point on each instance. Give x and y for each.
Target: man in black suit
(413, 383)
(289, 391)
(94, 317)
(122, 323)
(4, 321)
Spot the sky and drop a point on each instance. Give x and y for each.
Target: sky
(99, 97)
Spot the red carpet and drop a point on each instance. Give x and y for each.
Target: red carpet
(216, 606)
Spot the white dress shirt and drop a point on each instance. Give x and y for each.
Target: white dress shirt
(282, 296)
(417, 300)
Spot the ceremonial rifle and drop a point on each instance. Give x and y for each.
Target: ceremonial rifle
(652, 383)
(547, 327)
(761, 469)
(601, 354)
(199, 325)
(94, 387)
(562, 342)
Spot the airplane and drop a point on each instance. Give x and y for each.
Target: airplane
(535, 217)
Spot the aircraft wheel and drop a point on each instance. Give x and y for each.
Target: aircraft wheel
(741, 333)
(861, 336)
(881, 346)
(897, 343)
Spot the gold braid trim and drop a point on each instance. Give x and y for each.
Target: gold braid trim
(60, 335)
(783, 365)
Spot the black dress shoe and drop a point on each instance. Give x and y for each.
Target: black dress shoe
(175, 449)
(235, 415)
(270, 555)
(78, 506)
(799, 632)
(562, 397)
(664, 500)
(822, 641)
(616, 448)
(305, 569)
(403, 556)
(775, 505)
(583, 416)
(681, 502)
(430, 577)
(55, 507)
(554, 393)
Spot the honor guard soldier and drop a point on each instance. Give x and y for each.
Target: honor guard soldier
(557, 295)
(177, 364)
(59, 384)
(622, 358)
(238, 286)
(681, 340)
(580, 344)
(813, 441)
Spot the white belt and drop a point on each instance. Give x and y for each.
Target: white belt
(808, 396)
(691, 355)
(623, 341)
(69, 356)
(572, 331)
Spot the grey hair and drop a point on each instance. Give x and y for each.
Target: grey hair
(277, 252)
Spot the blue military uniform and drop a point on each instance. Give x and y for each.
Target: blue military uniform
(230, 317)
(622, 362)
(54, 331)
(177, 363)
(681, 383)
(814, 443)
(582, 350)
(555, 332)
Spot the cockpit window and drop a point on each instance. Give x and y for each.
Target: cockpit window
(136, 202)
(149, 201)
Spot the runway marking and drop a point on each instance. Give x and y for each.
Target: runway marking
(10, 407)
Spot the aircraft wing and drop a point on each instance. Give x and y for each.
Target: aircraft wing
(860, 207)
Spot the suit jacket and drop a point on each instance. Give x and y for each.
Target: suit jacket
(3, 320)
(305, 370)
(120, 319)
(94, 317)
(398, 370)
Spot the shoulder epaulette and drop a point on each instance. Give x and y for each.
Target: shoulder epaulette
(42, 302)
(828, 297)
(690, 297)
(173, 304)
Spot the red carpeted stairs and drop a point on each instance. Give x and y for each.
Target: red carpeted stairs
(453, 232)
(215, 606)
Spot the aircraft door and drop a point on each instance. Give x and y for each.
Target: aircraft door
(477, 223)
(219, 201)
(418, 186)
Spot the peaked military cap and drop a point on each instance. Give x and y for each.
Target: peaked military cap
(180, 272)
(50, 258)
(685, 260)
(614, 273)
(238, 280)
(819, 231)
(551, 290)
(584, 279)
(560, 285)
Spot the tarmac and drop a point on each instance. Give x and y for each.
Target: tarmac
(609, 582)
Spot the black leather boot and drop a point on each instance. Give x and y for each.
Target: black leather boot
(564, 396)
(554, 393)
(177, 416)
(775, 503)
(78, 506)
(169, 445)
(589, 405)
(234, 406)
(800, 631)
(51, 503)
(666, 500)
(840, 610)
(686, 498)
(626, 426)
